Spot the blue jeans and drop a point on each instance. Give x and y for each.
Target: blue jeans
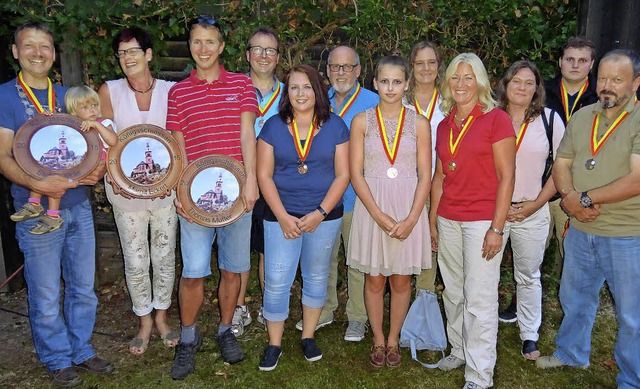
(281, 258)
(234, 253)
(589, 261)
(61, 341)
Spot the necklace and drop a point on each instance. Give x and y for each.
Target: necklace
(153, 83)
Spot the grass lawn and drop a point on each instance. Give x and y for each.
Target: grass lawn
(344, 365)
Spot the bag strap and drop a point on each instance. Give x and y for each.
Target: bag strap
(548, 128)
(414, 356)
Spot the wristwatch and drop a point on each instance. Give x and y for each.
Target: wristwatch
(585, 200)
(497, 231)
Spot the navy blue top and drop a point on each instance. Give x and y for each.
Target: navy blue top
(302, 193)
(13, 114)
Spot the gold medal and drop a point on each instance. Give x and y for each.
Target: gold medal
(392, 172)
(302, 168)
(452, 166)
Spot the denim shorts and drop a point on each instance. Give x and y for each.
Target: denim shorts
(233, 247)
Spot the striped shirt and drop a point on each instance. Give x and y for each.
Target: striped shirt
(208, 114)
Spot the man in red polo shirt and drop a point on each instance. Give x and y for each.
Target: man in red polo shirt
(212, 112)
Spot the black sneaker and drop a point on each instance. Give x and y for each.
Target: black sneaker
(509, 315)
(66, 378)
(229, 347)
(96, 365)
(311, 350)
(270, 358)
(184, 362)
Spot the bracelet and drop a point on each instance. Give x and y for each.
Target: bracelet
(322, 211)
(497, 231)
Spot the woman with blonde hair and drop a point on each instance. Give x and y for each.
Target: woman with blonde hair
(470, 197)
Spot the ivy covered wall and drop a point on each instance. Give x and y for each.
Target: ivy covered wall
(499, 31)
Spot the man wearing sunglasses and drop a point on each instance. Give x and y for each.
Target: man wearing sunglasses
(212, 112)
(347, 99)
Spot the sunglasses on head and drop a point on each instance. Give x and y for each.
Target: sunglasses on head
(204, 19)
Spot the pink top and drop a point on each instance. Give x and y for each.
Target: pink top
(208, 113)
(532, 156)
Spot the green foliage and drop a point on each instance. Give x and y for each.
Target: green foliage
(499, 31)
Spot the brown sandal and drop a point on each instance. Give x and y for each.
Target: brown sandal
(377, 356)
(393, 356)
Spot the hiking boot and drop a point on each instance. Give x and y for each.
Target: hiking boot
(66, 378)
(47, 224)
(323, 321)
(377, 358)
(450, 362)
(472, 385)
(229, 347)
(241, 319)
(355, 331)
(393, 356)
(270, 358)
(551, 361)
(509, 315)
(184, 362)
(96, 365)
(311, 350)
(27, 212)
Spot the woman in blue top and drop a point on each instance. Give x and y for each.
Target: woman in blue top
(303, 170)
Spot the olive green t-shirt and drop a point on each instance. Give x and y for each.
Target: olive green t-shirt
(613, 161)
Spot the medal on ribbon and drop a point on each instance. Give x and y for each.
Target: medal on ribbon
(263, 109)
(303, 150)
(432, 105)
(565, 99)
(391, 151)
(596, 145)
(51, 95)
(455, 146)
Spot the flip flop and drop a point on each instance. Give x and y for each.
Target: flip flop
(137, 346)
(170, 339)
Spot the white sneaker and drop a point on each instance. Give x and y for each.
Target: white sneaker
(450, 362)
(324, 321)
(241, 319)
(355, 331)
(260, 318)
(472, 385)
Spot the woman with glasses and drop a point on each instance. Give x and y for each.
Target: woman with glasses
(521, 94)
(140, 98)
(470, 197)
(303, 170)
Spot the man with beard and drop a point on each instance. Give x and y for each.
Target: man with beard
(597, 171)
(347, 98)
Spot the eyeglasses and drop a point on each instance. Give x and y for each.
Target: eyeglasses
(131, 51)
(208, 20)
(345, 68)
(258, 50)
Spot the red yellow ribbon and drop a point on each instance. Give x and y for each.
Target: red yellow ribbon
(51, 94)
(391, 151)
(565, 98)
(454, 147)
(520, 136)
(273, 98)
(596, 144)
(303, 151)
(349, 102)
(430, 108)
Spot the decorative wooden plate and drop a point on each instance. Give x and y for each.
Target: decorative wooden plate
(210, 190)
(146, 162)
(55, 145)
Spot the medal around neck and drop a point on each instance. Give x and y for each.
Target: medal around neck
(392, 172)
(590, 164)
(55, 145)
(146, 162)
(302, 168)
(452, 166)
(210, 190)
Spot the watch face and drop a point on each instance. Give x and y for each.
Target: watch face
(585, 200)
